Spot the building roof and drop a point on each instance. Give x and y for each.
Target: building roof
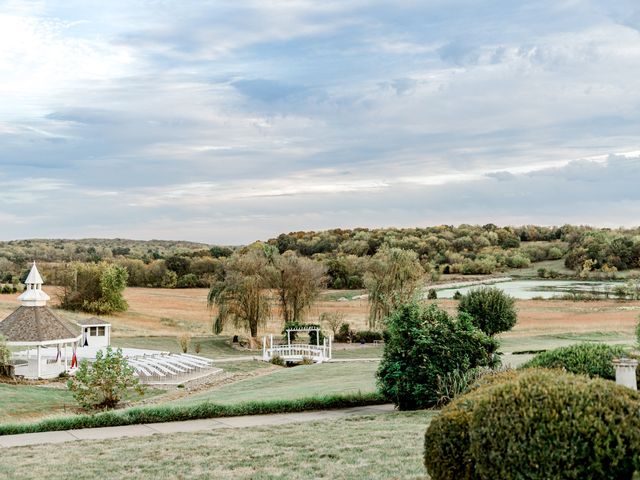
(91, 321)
(37, 324)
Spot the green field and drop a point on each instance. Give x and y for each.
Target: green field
(370, 447)
(25, 402)
(547, 342)
(296, 382)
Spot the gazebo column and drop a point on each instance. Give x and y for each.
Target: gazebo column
(39, 368)
(65, 358)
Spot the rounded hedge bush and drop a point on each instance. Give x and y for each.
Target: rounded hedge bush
(592, 359)
(541, 424)
(423, 344)
(492, 310)
(447, 446)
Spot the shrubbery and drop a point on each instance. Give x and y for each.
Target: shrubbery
(368, 336)
(423, 344)
(492, 310)
(539, 425)
(104, 382)
(592, 359)
(345, 334)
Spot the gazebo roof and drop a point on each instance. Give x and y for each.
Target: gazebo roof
(37, 325)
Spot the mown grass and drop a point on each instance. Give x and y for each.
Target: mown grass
(548, 342)
(295, 383)
(25, 401)
(174, 413)
(370, 447)
(358, 351)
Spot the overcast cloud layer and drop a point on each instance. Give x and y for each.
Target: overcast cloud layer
(230, 121)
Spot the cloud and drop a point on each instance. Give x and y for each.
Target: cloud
(229, 121)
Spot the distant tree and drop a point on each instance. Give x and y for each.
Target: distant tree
(242, 295)
(298, 281)
(219, 252)
(393, 278)
(491, 310)
(333, 320)
(103, 383)
(94, 288)
(178, 264)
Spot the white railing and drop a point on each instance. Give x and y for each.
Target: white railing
(296, 351)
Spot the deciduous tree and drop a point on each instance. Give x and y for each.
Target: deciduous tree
(393, 278)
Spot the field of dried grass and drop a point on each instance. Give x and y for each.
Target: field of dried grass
(168, 312)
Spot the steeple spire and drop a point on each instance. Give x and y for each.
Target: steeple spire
(33, 296)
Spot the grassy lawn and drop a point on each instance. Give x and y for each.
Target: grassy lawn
(371, 447)
(25, 402)
(209, 346)
(296, 382)
(22, 402)
(547, 342)
(357, 351)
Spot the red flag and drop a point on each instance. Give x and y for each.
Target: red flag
(74, 361)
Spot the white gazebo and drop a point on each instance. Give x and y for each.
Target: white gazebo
(35, 326)
(295, 352)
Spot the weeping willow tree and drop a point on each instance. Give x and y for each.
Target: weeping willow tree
(242, 295)
(392, 279)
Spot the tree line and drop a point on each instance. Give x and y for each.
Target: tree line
(345, 254)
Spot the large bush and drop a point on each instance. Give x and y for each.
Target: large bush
(592, 359)
(538, 425)
(423, 344)
(492, 310)
(105, 382)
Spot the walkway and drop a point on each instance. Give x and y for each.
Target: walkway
(148, 429)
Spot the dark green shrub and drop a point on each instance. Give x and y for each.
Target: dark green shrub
(345, 334)
(368, 336)
(447, 454)
(592, 359)
(278, 360)
(424, 343)
(457, 295)
(432, 294)
(547, 425)
(190, 280)
(492, 310)
(538, 424)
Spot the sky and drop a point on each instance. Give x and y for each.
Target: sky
(231, 121)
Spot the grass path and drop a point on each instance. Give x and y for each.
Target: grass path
(372, 447)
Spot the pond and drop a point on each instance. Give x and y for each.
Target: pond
(528, 289)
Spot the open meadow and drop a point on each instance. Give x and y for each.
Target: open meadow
(157, 316)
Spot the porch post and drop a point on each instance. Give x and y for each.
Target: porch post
(39, 356)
